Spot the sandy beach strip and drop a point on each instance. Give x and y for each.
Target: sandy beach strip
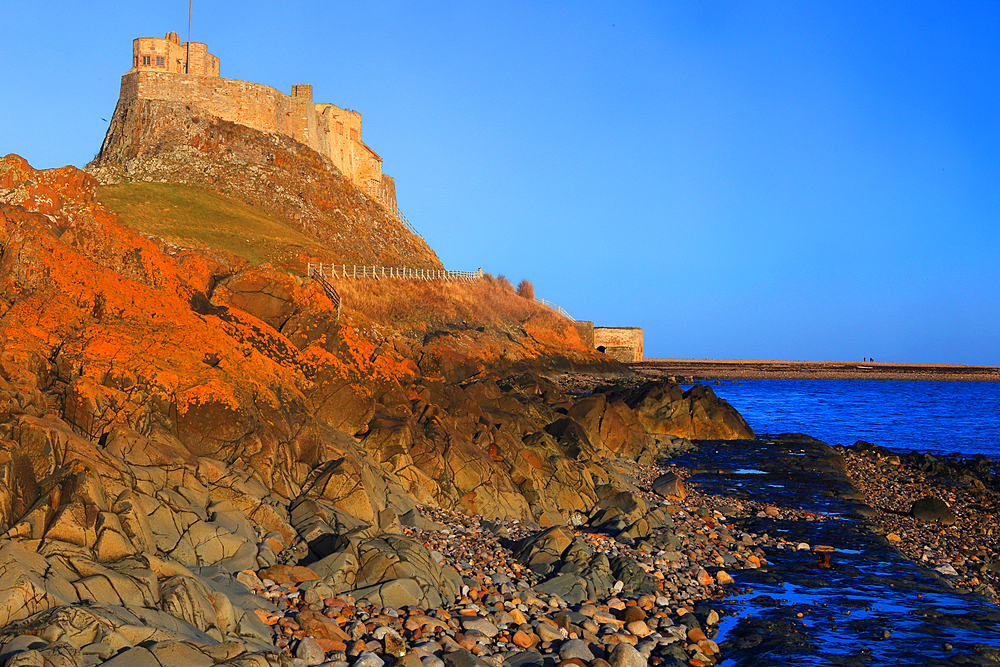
(682, 370)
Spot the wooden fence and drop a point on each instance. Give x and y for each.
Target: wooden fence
(323, 273)
(559, 309)
(356, 271)
(374, 190)
(330, 290)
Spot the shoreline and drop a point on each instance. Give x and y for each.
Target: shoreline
(860, 569)
(703, 370)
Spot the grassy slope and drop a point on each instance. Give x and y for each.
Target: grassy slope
(192, 216)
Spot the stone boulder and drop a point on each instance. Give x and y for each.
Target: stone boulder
(696, 413)
(669, 485)
(542, 551)
(392, 569)
(932, 509)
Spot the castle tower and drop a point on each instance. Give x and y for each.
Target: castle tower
(170, 55)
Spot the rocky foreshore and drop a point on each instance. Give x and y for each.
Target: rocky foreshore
(589, 595)
(938, 510)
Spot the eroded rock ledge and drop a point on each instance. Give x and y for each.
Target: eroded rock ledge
(173, 421)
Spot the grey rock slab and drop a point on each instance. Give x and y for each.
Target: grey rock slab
(309, 651)
(368, 659)
(177, 654)
(463, 658)
(525, 659)
(544, 547)
(632, 575)
(669, 485)
(929, 509)
(482, 625)
(570, 587)
(340, 569)
(415, 519)
(395, 593)
(626, 655)
(133, 657)
(576, 648)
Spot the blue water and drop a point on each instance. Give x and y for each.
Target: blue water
(873, 587)
(940, 417)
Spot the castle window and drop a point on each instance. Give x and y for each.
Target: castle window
(159, 62)
(145, 60)
(135, 61)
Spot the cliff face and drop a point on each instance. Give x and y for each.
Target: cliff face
(164, 410)
(173, 142)
(118, 336)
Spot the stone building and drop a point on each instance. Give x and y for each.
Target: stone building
(158, 73)
(169, 55)
(621, 343)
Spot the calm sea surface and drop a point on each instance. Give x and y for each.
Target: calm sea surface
(941, 417)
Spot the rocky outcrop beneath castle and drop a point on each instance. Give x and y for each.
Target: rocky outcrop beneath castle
(174, 423)
(694, 413)
(173, 142)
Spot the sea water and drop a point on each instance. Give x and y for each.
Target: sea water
(869, 580)
(910, 415)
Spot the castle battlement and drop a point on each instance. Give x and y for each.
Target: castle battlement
(169, 55)
(158, 74)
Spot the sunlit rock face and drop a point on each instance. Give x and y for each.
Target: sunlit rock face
(165, 410)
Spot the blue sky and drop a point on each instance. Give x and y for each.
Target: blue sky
(743, 180)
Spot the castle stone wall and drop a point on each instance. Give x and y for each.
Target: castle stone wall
(621, 343)
(158, 73)
(258, 106)
(326, 128)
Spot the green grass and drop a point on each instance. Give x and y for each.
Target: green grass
(192, 216)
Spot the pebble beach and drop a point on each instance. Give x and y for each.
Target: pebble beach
(501, 619)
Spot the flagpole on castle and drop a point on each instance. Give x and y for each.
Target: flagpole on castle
(187, 64)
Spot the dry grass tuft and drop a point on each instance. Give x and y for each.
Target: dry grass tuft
(526, 290)
(504, 283)
(413, 304)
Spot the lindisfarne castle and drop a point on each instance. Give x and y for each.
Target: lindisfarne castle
(162, 70)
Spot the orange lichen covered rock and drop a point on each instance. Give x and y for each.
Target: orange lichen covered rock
(183, 403)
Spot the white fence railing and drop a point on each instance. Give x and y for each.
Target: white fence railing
(360, 271)
(327, 271)
(559, 309)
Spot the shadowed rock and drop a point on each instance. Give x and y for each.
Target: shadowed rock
(932, 509)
